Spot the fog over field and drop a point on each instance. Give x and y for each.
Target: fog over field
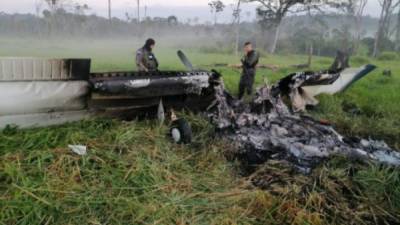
(184, 9)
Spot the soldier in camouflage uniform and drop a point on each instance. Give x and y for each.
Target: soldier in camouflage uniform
(249, 65)
(146, 61)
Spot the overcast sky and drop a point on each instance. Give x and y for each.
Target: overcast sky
(184, 9)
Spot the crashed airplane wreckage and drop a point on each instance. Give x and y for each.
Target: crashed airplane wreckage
(42, 92)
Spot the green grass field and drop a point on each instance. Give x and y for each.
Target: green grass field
(133, 174)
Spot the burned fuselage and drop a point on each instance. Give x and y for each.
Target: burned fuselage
(42, 92)
(134, 94)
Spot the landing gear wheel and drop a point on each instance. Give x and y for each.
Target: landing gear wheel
(181, 132)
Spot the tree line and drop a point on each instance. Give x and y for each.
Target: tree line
(281, 25)
(271, 14)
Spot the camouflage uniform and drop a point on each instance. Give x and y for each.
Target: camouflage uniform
(249, 64)
(146, 60)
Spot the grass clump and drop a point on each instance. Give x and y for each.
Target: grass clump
(133, 174)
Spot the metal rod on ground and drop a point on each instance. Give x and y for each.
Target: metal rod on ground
(161, 112)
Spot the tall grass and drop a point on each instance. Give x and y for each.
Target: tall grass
(133, 174)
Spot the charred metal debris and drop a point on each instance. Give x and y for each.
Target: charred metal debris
(129, 95)
(262, 130)
(265, 129)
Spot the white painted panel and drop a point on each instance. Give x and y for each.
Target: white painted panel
(42, 96)
(42, 119)
(346, 77)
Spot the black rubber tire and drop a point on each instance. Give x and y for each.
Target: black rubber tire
(184, 129)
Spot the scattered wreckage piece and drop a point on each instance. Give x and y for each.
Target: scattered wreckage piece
(78, 149)
(181, 131)
(266, 130)
(303, 87)
(185, 61)
(346, 79)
